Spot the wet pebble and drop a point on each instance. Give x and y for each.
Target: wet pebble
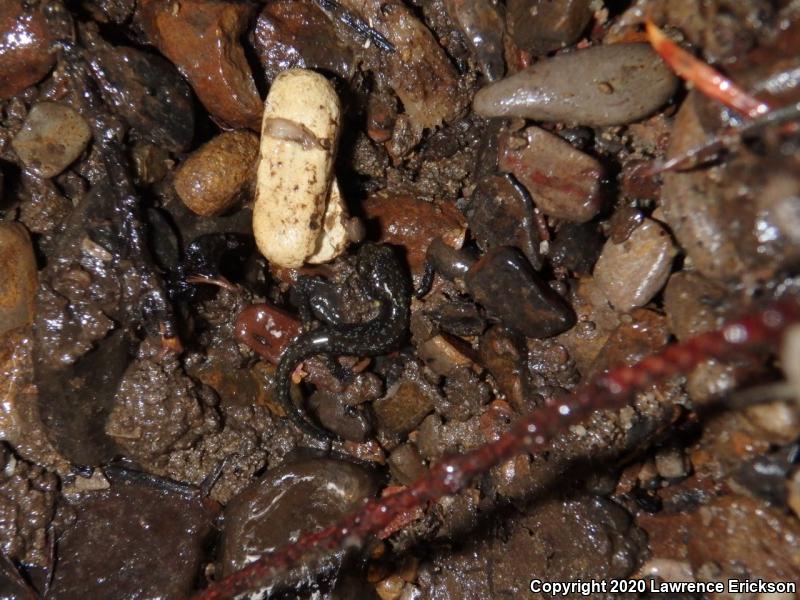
(576, 247)
(406, 464)
(671, 464)
(598, 86)
(413, 224)
(444, 353)
(638, 335)
(216, 175)
(201, 37)
(693, 303)
(25, 53)
(20, 279)
(53, 136)
(632, 272)
(564, 182)
(504, 283)
(266, 329)
(404, 406)
(541, 26)
(292, 34)
(134, 540)
(501, 214)
(302, 495)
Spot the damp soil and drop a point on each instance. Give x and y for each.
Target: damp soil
(507, 152)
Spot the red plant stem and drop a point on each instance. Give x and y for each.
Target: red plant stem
(705, 78)
(612, 390)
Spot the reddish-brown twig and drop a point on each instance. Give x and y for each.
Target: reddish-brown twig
(704, 77)
(530, 434)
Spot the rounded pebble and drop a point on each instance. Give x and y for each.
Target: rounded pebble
(300, 496)
(214, 176)
(53, 136)
(632, 272)
(598, 86)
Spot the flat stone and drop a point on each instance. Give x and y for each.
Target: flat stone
(564, 182)
(133, 540)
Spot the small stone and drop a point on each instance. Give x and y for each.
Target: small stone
(413, 224)
(403, 407)
(215, 176)
(693, 303)
(405, 464)
(507, 287)
(201, 37)
(150, 163)
(631, 273)
(541, 26)
(576, 247)
(638, 336)
(20, 280)
(564, 182)
(53, 136)
(304, 495)
(133, 540)
(500, 214)
(390, 588)
(25, 52)
(671, 464)
(266, 329)
(779, 420)
(443, 354)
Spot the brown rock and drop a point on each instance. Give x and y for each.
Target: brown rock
(202, 38)
(266, 329)
(214, 176)
(25, 54)
(405, 405)
(564, 182)
(693, 304)
(632, 272)
(19, 282)
(744, 538)
(541, 26)
(132, 541)
(638, 336)
(411, 223)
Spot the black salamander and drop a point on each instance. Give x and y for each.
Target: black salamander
(384, 279)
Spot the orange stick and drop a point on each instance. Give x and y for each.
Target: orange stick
(704, 77)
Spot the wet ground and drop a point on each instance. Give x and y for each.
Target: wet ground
(508, 153)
